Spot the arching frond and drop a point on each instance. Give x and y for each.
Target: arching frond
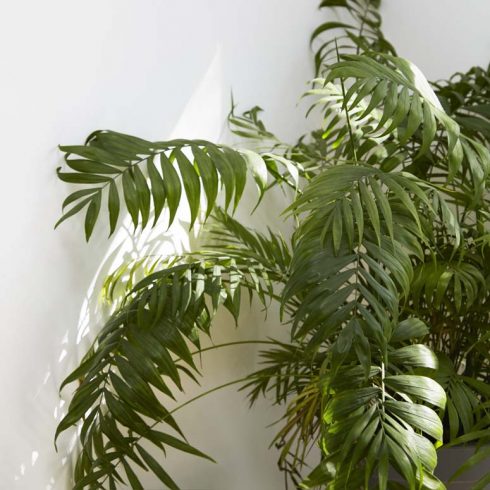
(137, 359)
(400, 91)
(146, 177)
(351, 271)
(455, 285)
(286, 163)
(354, 246)
(290, 376)
(346, 130)
(466, 398)
(223, 237)
(228, 236)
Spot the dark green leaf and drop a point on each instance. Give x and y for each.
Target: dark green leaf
(157, 469)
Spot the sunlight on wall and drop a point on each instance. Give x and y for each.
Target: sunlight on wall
(203, 117)
(205, 105)
(137, 67)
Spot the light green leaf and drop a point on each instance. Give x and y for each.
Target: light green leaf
(421, 387)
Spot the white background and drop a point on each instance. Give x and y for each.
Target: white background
(158, 69)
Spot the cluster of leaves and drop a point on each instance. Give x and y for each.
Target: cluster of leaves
(138, 360)
(380, 109)
(351, 267)
(384, 284)
(369, 424)
(465, 97)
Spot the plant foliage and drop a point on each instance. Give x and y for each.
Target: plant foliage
(383, 283)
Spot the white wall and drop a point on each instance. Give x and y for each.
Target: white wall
(156, 68)
(440, 36)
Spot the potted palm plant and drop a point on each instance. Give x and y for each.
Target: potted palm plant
(383, 284)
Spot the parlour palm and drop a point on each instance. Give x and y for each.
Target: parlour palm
(382, 285)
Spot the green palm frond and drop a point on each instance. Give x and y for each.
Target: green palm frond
(288, 368)
(306, 154)
(467, 397)
(346, 127)
(249, 126)
(480, 438)
(286, 163)
(151, 176)
(380, 420)
(290, 376)
(223, 237)
(351, 272)
(354, 246)
(144, 349)
(228, 236)
(455, 285)
(121, 281)
(408, 104)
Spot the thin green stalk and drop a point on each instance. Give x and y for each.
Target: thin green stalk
(363, 21)
(351, 136)
(230, 344)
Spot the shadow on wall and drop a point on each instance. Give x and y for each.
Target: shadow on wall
(126, 245)
(135, 67)
(204, 117)
(71, 67)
